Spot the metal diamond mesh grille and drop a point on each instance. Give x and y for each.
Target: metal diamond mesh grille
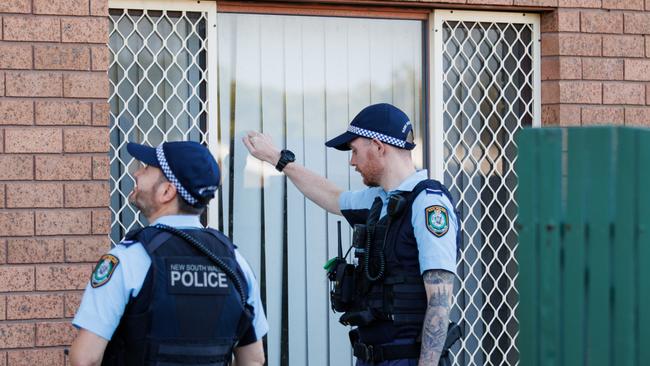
(158, 82)
(488, 97)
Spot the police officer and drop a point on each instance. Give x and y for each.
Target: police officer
(401, 300)
(172, 293)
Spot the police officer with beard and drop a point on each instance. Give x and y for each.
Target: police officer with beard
(405, 233)
(174, 292)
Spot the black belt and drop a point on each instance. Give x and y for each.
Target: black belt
(379, 353)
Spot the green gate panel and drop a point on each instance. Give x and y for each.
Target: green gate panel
(623, 250)
(550, 219)
(574, 322)
(643, 251)
(527, 256)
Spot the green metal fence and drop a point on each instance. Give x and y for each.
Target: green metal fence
(584, 252)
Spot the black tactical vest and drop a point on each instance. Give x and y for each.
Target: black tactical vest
(188, 311)
(392, 306)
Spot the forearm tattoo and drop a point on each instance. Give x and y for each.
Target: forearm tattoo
(436, 321)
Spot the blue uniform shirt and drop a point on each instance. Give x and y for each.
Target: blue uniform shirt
(101, 308)
(434, 252)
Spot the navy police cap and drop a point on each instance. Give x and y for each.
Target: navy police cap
(383, 122)
(188, 165)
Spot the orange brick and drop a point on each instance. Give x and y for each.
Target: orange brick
(87, 194)
(16, 223)
(623, 93)
(623, 46)
(101, 57)
(568, 20)
(637, 116)
(54, 334)
(601, 22)
(101, 111)
(3, 253)
(33, 140)
(16, 278)
(31, 195)
(15, 55)
(16, 112)
(2, 205)
(16, 335)
(33, 84)
(602, 115)
(550, 44)
(2, 142)
(99, 7)
(3, 310)
(2, 77)
(32, 306)
(63, 222)
(86, 85)
(547, 3)
(602, 69)
(72, 301)
(648, 92)
(86, 249)
(579, 3)
(62, 167)
(638, 70)
(584, 92)
(62, 112)
(15, 6)
(571, 44)
(85, 30)
(16, 167)
(67, 7)
(62, 277)
(101, 168)
(61, 57)
(561, 115)
(93, 139)
(31, 28)
(40, 250)
(623, 4)
(30, 357)
(647, 46)
(561, 68)
(550, 92)
(101, 221)
(637, 23)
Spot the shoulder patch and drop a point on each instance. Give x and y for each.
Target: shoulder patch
(437, 219)
(103, 270)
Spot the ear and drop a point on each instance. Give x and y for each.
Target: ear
(379, 146)
(166, 192)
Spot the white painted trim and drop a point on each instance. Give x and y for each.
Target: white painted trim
(177, 5)
(436, 19)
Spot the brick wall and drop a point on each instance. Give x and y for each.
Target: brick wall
(54, 188)
(596, 63)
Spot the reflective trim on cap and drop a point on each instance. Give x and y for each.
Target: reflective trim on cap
(376, 135)
(160, 154)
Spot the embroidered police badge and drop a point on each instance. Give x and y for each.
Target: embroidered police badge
(103, 270)
(437, 220)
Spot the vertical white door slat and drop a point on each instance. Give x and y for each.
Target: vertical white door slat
(314, 106)
(271, 62)
(296, 236)
(226, 70)
(336, 122)
(247, 183)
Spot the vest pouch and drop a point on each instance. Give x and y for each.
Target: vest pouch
(359, 235)
(359, 318)
(183, 353)
(342, 286)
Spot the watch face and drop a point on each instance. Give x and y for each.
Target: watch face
(289, 156)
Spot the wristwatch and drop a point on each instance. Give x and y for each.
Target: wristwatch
(286, 157)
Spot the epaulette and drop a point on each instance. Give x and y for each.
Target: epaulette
(433, 191)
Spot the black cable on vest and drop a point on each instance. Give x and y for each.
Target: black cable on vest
(203, 249)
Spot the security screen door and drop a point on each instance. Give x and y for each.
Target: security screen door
(485, 84)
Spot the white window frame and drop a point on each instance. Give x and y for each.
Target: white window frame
(209, 7)
(436, 103)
